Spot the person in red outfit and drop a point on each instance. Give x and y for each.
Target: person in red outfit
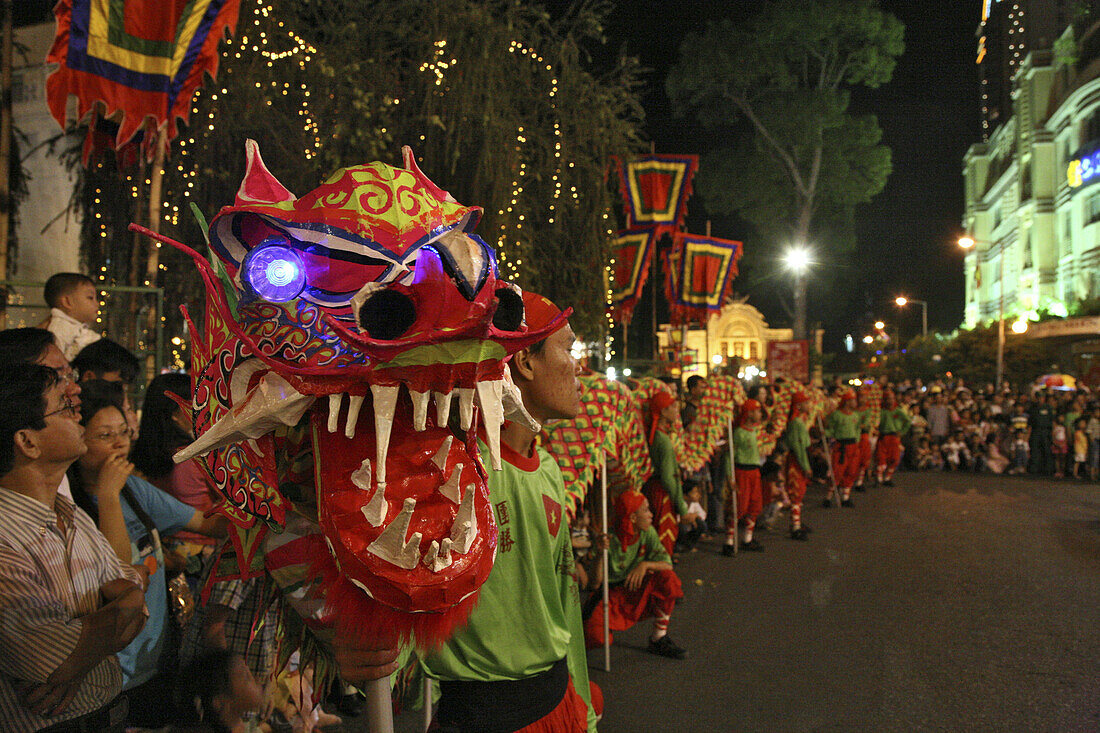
(643, 584)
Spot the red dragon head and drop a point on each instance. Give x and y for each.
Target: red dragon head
(334, 322)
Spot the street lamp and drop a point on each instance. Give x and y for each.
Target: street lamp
(902, 301)
(879, 325)
(798, 261)
(966, 243)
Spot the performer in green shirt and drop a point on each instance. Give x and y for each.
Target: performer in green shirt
(843, 428)
(519, 664)
(746, 473)
(664, 489)
(797, 470)
(866, 435)
(642, 581)
(893, 423)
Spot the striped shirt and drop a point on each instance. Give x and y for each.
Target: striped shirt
(49, 578)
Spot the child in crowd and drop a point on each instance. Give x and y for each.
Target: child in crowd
(993, 460)
(935, 461)
(640, 574)
(1080, 449)
(956, 455)
(1059, 446)
(1093, 429)
(1020, 452)
(693, 524)
(922, 456)
(215, 693)
(74, 310)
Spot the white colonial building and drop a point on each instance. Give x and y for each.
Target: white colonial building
(1032, 193)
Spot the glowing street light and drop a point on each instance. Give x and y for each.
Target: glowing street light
(902, 301)
(880, 325)
(798, 260)
(868, 339)
(1019, 326)
(966, 242)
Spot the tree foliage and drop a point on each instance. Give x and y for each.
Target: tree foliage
(972, 355)
(498, 99)
(785, 78)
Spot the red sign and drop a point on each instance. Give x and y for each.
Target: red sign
(790, 360)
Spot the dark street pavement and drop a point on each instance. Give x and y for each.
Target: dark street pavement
(951, 602)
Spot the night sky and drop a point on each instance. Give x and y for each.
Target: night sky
(929, 115)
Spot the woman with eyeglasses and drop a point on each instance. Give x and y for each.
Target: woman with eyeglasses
(133, 515)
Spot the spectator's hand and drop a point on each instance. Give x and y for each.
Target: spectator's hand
(360, 661)
(54, 695)
(636, 576)
(112, 476)
(602, 541)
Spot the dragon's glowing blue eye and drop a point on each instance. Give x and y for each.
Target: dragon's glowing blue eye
(274, 272)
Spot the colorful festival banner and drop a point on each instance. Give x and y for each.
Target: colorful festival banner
(135, 59)
(789, 360)
(700, 271)
(633, 252)
(656, 189)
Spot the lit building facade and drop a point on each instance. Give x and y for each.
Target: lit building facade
(1032, 203)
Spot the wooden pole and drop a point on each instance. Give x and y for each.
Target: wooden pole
(706, 325)
(606, 569)
(427, 694)
(732, 488)
(379, 705)
(829, 462)
(5, 151)
(152, 262)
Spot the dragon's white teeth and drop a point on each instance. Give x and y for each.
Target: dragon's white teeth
(376, 509)
(334, 401)
(392, 546)
(450, 488)
(442, 408)
(270, 404)
(464, 528)
(440, 457)
(361, 476)
(489, 395)
(385, 403)
(438, 555)
(465, 407)
(355, 404)
(420, 409)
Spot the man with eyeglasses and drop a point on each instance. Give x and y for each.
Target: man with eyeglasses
(67, 605)
(19, 346)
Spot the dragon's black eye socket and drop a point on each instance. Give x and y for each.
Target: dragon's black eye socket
(387, 315)
(509, 315)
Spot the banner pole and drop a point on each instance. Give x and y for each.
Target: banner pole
(606, 568)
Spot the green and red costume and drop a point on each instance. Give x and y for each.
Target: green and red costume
(797, 468)
(842, 427)
(746, 474)
(660, 590)
(519, 663)
(663, 489)
(893, 424)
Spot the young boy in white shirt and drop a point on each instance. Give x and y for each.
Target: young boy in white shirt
(74, 309)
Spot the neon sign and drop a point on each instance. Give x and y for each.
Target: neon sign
(1083, 170)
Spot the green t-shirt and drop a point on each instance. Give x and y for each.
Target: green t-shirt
(842, 425)
(797, 439)
(894, 421)
(528, 614)
(746, 451)
(865, 420)
(647, 548)
(666, 468)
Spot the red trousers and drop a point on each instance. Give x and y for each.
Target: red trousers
(889, 453)
(864, 453)
(845, 463)
(656, 597)
(796, 480)
(664, 514)
(750, 493)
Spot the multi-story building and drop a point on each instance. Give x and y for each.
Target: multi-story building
(1032, 205)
